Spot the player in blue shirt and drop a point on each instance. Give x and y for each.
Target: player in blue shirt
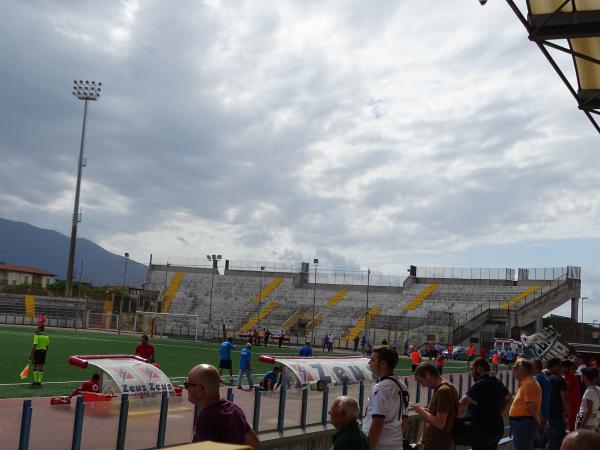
(225, 358)
(246, 366)
(306, 351)
(271, 380)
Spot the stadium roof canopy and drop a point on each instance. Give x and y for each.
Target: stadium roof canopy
(577, 22)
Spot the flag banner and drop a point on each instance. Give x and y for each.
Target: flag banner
(122, 374)
(25, 372)
(324, 371)
(545, 345)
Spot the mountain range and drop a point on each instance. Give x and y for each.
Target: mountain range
(26, 245)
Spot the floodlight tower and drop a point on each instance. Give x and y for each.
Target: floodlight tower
(86, 91)
(215, 267)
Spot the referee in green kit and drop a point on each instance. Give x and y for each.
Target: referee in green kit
(38, 355)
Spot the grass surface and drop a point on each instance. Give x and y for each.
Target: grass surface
(176, 357)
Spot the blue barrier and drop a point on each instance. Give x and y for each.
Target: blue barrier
(78, 425)
(304, 406)
(361, 398)
(162, 420)
(25, 425)
(325, 406)
(281, 412)
(256, 418)
(123, 422)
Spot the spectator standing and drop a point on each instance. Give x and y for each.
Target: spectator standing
(510, 356)
(395, 344)
(219, 420)
(280, 337)
(573, 391)
(369, 351)
(306, 351)
(267, 335)
(429, 350)
(145, 350)
(442, 409)
(559, 405)
(38, 354)
(437, 348)
(356, 341)
(496, 361)
(541, 440)
(406, 347)
(439, 362)
(525, 412)
(330, 342)
(590, 403)
(470, 353)
(325, 342)
(225, 361)
(385, 417)
(483, 408)
(246, 366)
(363, 343)
(344, 415)
(415, 358)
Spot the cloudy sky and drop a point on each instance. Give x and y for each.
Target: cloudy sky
(368, 134)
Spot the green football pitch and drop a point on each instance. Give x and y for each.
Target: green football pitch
(176, 357)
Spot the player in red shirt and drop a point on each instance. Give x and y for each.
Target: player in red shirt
(91, 385)
(145, 350)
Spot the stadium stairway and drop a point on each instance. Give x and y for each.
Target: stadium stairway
(261, 315)
(360, 325)
(517, 298)
(420, 297)
(335, 298)
(291, 321)
(170, 294)
(29, 306)
(268, 289)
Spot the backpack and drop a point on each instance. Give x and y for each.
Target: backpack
(403, 393)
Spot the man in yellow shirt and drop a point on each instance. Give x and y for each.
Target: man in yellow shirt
(38, 354)
(525, 412)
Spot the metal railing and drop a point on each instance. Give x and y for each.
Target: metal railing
(466, 273)
(356, 277)
(266, 411)
(551, 273)
(542, 291)
(270, 266)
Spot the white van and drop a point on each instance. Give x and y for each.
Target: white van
(505, 345)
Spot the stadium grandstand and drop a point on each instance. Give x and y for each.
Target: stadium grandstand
(449, 305)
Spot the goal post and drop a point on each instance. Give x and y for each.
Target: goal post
(102, 321)
(160, 324)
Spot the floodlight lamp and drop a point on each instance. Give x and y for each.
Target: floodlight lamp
(262, 267)
(126, 255)
(316, 261)
(208, 257)
(214, 257)
(219, 257)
